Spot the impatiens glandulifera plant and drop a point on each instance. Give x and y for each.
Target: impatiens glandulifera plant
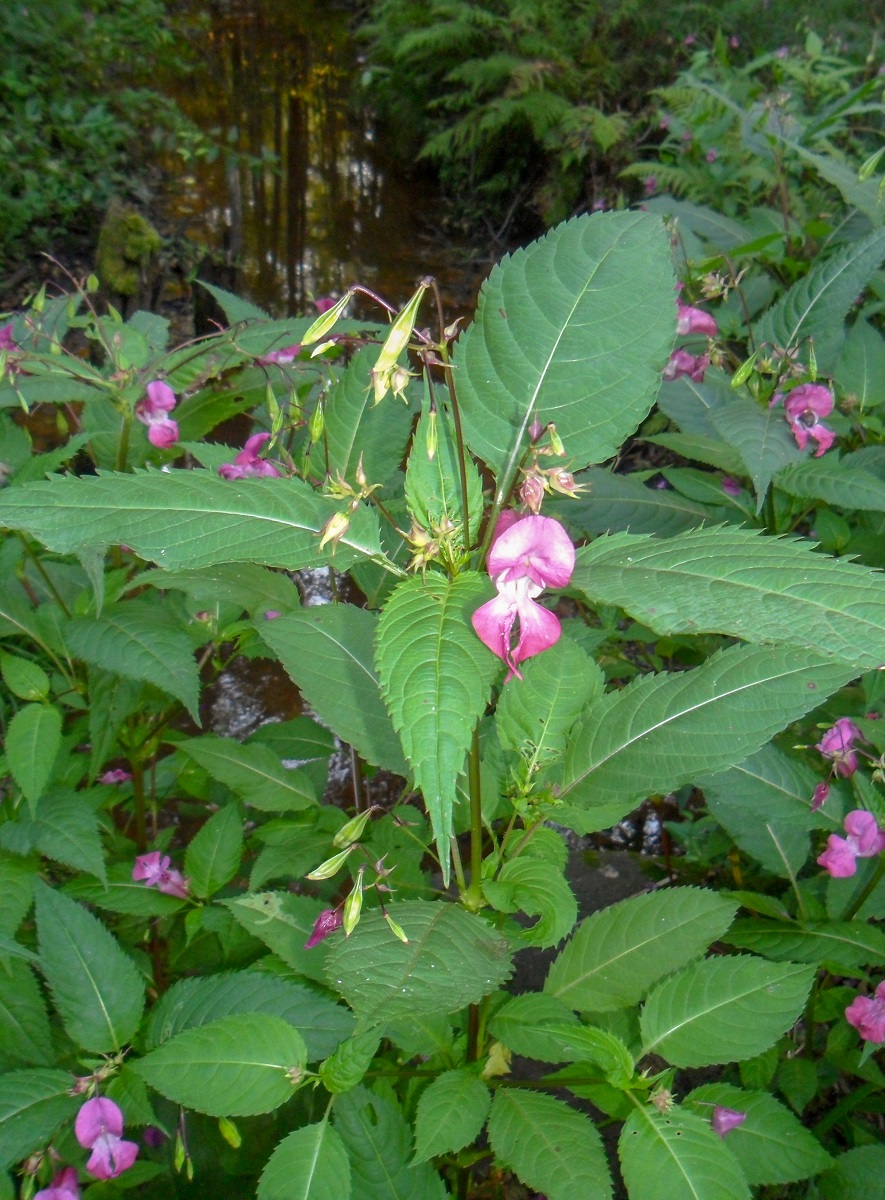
(323, 1003)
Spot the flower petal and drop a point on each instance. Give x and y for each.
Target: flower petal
(96, 1117)
(537, 547)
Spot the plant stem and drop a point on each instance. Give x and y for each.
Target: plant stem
(472, 898)
(123, 445)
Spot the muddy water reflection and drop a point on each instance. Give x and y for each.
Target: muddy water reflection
(312, 204)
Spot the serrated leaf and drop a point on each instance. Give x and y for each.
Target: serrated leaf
(213, 855)
(761, 437)
(189, 519)
(32, 1106)
(664, 731)
(123, 894)
(433, 484)
(827, 479)
(451, 1113)
(861, 370)
(452, 958)
(309, 1164)
(284, 923)
(65, 829)
(328, 650)
(24, 678)
(25, 1038)
(143, 642)
(246, 584)
(551, 1147)
(33, 738)
(348, 1063)
(536, 887)
(848, 944)
(521, 1023)
(97, 990)
(17, 878)
(379, 1146)
(620, 502)
(111, 699)
(677, 1156)
(549, 335)
(771, 1146)
(618, 953)
(237, 1066)
(254, 772)
(858, 1172)
(322, 1023)
(696, 447)
(723, 1009)
(744, 584)
(235, 308)
(816, 306)
(436, 676)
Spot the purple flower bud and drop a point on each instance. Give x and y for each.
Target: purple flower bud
(730, 486)
(821, 792)
(327, 922)
(724, 1120)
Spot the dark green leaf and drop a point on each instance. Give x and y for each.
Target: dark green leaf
(309, 1164)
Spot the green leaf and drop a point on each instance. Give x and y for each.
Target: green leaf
(123, 894)
(309, 1164)
(816, 306)
(433, 483)
(17, 879)
(284, 923)
(32, 1106)
(191, 1002)
(234, 307)
(213, 856)
(828, 480)
(65, 829)
(379, 1146)
(451, 1113)
(436, 676)
(677, 1156)
(744, 584)
(551, 1147)
(328, 651)
(33, 738)
(858, 1172)
(253, 587)
(348, 1063)
(238, 1066)
(535, 713)
(521, 1023)
(619, 952)
(96, 987)
(254, 772)
(663, 731)
(723, 1010)
(760, 435)
(532, 886)
(861, 370)
(620, 502)
(698, 448)
(111, 700)
(189, 519)
(847, 944)
(25, 1039)
(141, 641)
(452, 958)
(549, 336)
(771, 1146)
(24, 678)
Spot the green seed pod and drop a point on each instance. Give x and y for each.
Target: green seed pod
(229, 1132)
(326, 321)
(744, 371)
(350, 914)
(331, 866)
(353, 830)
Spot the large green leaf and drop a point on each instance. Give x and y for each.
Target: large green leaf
(96, 986)
(436, 676)
(433, 480)
(321, 1022)
(189, 519)
(379, 1146)
(861, 372)
(723, 1009)
(663, 731)
(111, 700)
(213, 856)
(772, 1145)
(17, 878)
(25, 1038)
(760, 435)
(284, 923)
(677, 1156)
(452, 959)
(64, 828)
(254, 772)
(32, 1106)
(141, 641)
(619, 952)
(532, 885)
(744, 584)
(550, 1146)
(309, 1164)
(858, 1172)
(329, 651)
(830, 480)
(123, 894)
(816, 306)
(33, 738)
(620, 502)
(563, 333)
(451, 1113)
(847, 944)
(238, 1066)
(253, 587)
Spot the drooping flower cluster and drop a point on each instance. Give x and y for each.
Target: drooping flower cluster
(154, 870)
(725, 1119)
(865, 840)
(99, 1128)
(63, 1187)
(528, 554)
(867, 1015)
(154, 411)
(804, 407)
(248, 463)
(690, 320)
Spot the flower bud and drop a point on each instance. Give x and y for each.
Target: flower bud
(334, 529)
(432, 437)
(531, 493)
(317, 423)
(229, 1132)
(353, 905)
(556, 446)
(400, 332)
(535, 429)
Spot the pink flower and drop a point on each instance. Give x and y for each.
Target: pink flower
(682, 363)
(280, 358)
(734, 41)
(689, 40)
(154, 871)
(650, 185)
(865, 840)
(867, 1015)
(98, 1127)
(712, 155)
(695, 320)
(63, 1187)
(837, 744)
(154, 412)
(726, 1119)
(323, 304)
(819, 797)
(803, 407)
(248, 462)
(327, 922)
(528, 554)
(7, 342)
(271, 614)
(118, 775)
(730, 486)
